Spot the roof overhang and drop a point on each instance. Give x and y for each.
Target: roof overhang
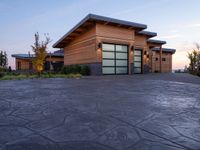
(168, 50)
(89, 21)
(27, 56)
(147, 33)
(156, 41)
(23, 56)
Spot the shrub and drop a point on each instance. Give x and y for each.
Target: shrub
(76, 69)
(1, 74)
(85, 70)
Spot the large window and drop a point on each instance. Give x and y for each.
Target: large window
(115, 59)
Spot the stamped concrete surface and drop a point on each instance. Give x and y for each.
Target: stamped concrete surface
(139, 112)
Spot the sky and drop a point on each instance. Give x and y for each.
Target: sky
(176, 21)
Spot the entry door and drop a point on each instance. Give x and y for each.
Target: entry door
(138, 61)
(114, 59)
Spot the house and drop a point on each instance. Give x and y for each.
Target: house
(112, 46)
(25, 61)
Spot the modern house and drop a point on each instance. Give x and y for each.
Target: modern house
(112, 46)
(25, 61)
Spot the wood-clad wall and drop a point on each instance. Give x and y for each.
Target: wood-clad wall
(166, 65)
(24, 64)
(81, 50)
(84, 48)
(114, 32)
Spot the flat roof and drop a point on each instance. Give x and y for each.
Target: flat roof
(96, 18)
(58, 53)
(148, 33)
(169, 50)
(156, 41)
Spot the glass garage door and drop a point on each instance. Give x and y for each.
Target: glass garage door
(114, 59)
(138, 61)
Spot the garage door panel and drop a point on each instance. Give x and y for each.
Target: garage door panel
(121, 63)
(121, 56)
(121, 48)
(108, 70)
(121, 70)
(108, 55)
(114, 59)
(138, 61)
(108, 47)
(108, 62)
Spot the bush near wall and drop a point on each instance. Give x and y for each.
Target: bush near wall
(76, 69)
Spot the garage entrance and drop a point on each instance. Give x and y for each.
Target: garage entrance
(138, 61)
(114, 59)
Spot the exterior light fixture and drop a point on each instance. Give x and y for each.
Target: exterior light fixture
(99, 45)
(132, 48)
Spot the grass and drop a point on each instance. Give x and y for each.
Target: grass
(22, 76)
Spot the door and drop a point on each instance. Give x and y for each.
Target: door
(114, 59)
(138, 61)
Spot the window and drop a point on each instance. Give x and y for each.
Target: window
(163, 59)
(156, 58)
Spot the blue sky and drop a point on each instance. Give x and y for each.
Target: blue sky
(176, 21)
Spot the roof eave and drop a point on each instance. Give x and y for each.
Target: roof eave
(157, 41)
(93, 17)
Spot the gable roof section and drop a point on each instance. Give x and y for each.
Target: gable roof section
(96, 18)
(169, 50)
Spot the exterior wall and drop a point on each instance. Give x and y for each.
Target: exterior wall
(82, 50)
(141, 42)
(117, 35)
(166, 65)
(25, 63)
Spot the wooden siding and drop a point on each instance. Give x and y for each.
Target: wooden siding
(82, 50)
(166, 65)
(114, 32)
(24, 64)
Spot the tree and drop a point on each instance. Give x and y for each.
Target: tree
(194, 57)
(40, 50)
(3, 59)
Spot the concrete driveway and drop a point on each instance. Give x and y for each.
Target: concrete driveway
(139, 112)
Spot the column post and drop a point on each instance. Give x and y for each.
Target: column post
(161, 59)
